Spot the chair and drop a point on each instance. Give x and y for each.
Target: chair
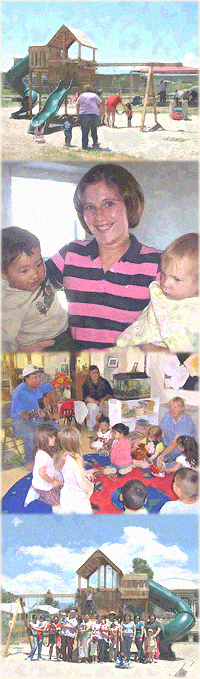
(67, 410)
(9, 434)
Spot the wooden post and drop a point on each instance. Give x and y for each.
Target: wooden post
(65, 105)
(145, 99)
(104, 576)
(153, 95)
(30, 92)
(25, 622)
(40, 89)
(11, 629)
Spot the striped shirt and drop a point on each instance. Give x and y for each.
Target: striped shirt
(101, 305)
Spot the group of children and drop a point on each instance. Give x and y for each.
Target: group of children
(61, 480)
(169, 321)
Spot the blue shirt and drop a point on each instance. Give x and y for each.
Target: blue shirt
(24, 399)
(184, 427)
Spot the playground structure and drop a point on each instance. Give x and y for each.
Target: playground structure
(52, 61)
(131, 588)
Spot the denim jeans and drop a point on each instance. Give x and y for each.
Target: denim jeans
(138, 643)
(88, 121)
(35, 646)
(93, 410)
(101, 644)
(126, 646)
(25, 429)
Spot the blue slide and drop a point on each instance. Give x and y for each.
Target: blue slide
(14, 78)
(50, 108)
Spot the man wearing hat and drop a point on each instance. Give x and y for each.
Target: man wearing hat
(26, 414)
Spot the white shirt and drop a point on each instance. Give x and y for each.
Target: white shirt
(42, 459)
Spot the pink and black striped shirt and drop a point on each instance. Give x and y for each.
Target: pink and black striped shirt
(101, 305)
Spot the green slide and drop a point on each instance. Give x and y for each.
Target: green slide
(14, 78)
(180, 625)
(50, 108)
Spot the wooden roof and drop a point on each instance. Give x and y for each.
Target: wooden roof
(91, 565)
(71, 35)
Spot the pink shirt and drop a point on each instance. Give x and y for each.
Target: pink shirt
(121, 452)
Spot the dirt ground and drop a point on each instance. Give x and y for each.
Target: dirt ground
(15, 665)
(177, 141)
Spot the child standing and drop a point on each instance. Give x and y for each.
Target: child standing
(128, 108)
(120, 456)
(171, 318)
(31, 311)
(68, 125)
(51, 628)
(112, 638)
(45, 483)
(150, 645)
(93, 647)
(103, 439)
(78, 487)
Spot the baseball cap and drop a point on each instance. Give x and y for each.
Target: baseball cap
(31, 369)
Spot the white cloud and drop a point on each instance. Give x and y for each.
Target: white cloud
(34, 582)
(16, 522)
(190, 59)
(59, 556)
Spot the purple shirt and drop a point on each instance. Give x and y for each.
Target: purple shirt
(88, 103)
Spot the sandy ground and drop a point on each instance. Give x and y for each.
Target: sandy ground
(15, 665)
(177, 141)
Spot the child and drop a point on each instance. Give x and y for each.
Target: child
(120, 456)
(112, 638)
(134, 496)
(150, 645)
(78, 487)
(189, 453)
(121, 661)
(128, 108)
(45, 483)
(93, 648)
(171, 318)
(185, 485)
(68, 125)
(51, 628)
(103, 439)
(31, 311)
(153, 445)
(101, 107)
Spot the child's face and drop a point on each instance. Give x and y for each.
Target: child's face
(177, 280)
(52, 440)
(26, 273)
(116, 435)
(105, 213)
(104, 426)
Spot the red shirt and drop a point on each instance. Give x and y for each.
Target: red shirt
(113, 100)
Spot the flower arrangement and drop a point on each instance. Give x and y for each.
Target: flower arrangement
(60, 383)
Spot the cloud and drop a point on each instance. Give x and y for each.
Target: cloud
(16, 522)
(63, 557)
(191, 59)
(35, 582)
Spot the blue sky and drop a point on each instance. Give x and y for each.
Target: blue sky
(122, 31)
(40, 553)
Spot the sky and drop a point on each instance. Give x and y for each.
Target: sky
(122, 31)
(40, 552)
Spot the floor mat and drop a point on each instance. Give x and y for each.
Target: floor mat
(13, 501)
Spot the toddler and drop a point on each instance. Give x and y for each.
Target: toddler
(103, 439)
(128, 108)
(134, 496)
(78, 487)
(120, 455)
(45, 483)
(188, 448)
(112, 638)
(171, 318)
(150, 645)
(93, 648)
(31, 311)
(68, 125)
(153, 445)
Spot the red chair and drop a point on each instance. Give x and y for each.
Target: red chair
(67, 410)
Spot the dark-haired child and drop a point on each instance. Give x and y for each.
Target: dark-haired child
(186, 486)
(31, 311)
(120, 455)
(67, 126)
(189, 453)
(135, 496)
(128, 108)
(102, 441)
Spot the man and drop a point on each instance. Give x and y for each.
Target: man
(26, 413)
(35, 627)
(111, 106)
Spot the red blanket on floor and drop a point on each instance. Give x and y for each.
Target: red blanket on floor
(102, 498)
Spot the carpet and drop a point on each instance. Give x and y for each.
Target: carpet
(13, 501)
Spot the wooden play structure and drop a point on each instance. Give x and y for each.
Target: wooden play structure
(53, 59)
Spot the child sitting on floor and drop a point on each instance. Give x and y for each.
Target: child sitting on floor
(78, 487)
(31, 312)
(103, 439)
(185, 486)
(120, 455)
(171, 318)
(134, 496)
(189, 453)
(154, 446)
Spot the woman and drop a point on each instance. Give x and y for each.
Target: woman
(175, 422)
(96, 392)
(100, 636)
(70, 627)
(87, 107)
(138, 635)
(107, 278)
(127, 635)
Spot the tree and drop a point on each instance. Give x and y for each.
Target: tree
(49, 600)
(141, 566)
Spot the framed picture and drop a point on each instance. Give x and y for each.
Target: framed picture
(65, 369)
(112, 362)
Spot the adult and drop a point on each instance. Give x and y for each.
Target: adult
(107, 278)
(35, 626)
(111, 105)
(100, 636)
(127, 635)
(26, 413)
(96, 392)
(63, 635)
(138, 635)
(40, 636)
(153, 624)
(58, 637)
(162, 91)
(87, 106)
(86, 637)
(71, 628)
(175, 423)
